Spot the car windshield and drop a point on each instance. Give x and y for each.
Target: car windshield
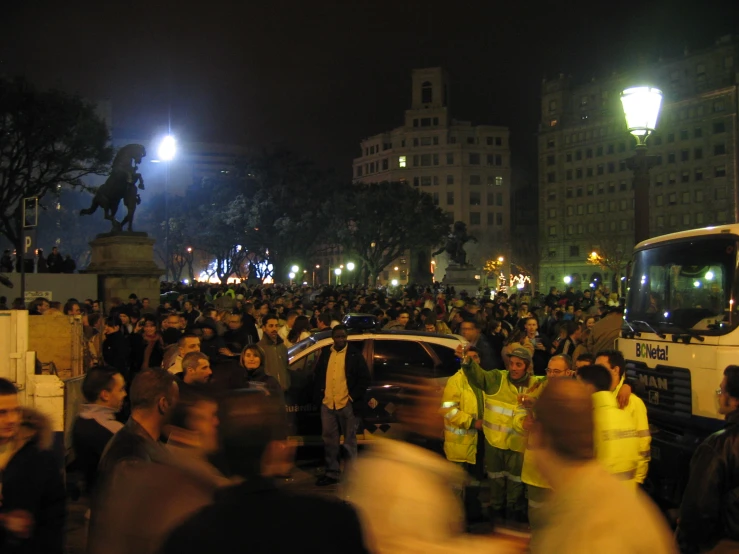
(684, 284)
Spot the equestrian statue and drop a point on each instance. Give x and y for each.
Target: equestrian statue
(454, 246)
(120, 185)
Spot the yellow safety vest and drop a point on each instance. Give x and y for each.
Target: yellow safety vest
(500, 408)
(637, 411)
(530, 473)
(616, 440)
(459, 406)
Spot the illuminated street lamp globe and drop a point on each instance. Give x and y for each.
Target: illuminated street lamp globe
(394, 282)
(350, 266)
(641, 108)
(294, 269)
(167, 148)
(291, 275)
(567, 279)
(337, 271)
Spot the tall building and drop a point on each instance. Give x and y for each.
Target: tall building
(465, 167)
(586, 197)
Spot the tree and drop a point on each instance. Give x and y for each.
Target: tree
(378, 222)
(47, 139)
(610, 256)
(289, 206)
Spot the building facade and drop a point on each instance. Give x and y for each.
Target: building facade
(465, 167)
(586, 197)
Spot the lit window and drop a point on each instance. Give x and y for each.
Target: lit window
(401, 161)
(499, 181)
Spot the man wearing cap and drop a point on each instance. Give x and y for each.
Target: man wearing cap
(504, 446)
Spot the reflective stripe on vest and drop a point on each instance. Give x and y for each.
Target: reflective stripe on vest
(625, 475)
(498, 409)
(501, 428)
(451, 413)
(458, 431)
(449, 404)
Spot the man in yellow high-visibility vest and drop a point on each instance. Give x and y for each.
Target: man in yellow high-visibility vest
(614, 362)
(462, 409)
(504, 446)
(615, 437)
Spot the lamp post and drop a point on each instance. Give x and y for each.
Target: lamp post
(641, 108)
(314, 275)
(337, 272)
(166, 152)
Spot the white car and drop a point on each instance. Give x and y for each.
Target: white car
(391, 356)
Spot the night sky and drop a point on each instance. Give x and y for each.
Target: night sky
(319, 76)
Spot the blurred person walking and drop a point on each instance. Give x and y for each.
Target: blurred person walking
(254, 515)
(33, 498)
(405, 493)
(149, 500)
(589, 510)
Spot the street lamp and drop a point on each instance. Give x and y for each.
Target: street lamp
(294, 269)
(337, 272)
(641, 108)
(350, 266)
(166, 152)
(189, 263)
(314, 274)
(567, 279)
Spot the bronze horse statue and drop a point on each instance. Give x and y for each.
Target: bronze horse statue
(454, 246)
(120, 185)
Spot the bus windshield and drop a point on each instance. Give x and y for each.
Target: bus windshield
(685, 285)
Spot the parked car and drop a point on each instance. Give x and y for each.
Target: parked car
(391, 356)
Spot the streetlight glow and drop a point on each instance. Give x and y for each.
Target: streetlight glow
(394, 282)
(350, 266)
(567, 279)
(337, 271)
(641, 107)
(294, 269)
(291, 275)
(167, 148)
(501, 259)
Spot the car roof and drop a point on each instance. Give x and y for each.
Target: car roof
(445, 340)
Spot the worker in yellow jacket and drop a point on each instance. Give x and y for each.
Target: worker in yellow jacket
(614, 362)
(616, 442)
(537, 487)
(462, 409)
(502, 392)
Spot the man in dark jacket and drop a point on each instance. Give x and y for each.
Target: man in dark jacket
(154, 393)
(709, 515)
(341, 379)
(489, 359)
(116, 346)
(253, 435)
(55, 262)
(33, 508)
(104, 390)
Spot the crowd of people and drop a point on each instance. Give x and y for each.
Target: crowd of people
(38, 263)
(183, 433)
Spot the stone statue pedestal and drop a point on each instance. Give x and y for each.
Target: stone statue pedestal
(124, 264)
(462, 278)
